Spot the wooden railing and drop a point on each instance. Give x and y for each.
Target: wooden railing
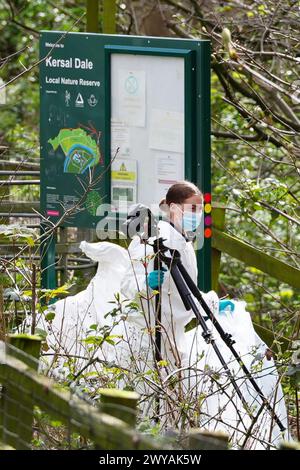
(222, 242)
(107, 425)
(23, 388)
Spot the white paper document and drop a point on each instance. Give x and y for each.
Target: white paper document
(132, 97)
(120, 139)
(168, 170)
(166, 130)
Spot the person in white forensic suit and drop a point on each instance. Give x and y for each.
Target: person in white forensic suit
(183, 210)
(188, 358)
(190, 371)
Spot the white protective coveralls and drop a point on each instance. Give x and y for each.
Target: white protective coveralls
(174, 316)
(201, 373)
(75, 314)
(192, 362)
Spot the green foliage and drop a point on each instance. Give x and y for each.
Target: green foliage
(18, 233)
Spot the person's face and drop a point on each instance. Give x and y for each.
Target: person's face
(193, 204)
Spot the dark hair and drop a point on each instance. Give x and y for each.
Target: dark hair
(179, 192)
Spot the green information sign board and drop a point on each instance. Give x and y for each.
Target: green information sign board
(148, 96)
(71, 126)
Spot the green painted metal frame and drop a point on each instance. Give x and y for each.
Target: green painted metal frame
(196, 110)
(47, 252)
(203, 144)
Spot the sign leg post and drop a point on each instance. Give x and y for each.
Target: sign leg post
(48, 276)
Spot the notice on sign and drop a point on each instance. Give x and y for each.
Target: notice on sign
(123, 182)
(132, 96)
(166, 130)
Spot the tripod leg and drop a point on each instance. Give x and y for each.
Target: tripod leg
(158, 356)
(157, 267)
(228, 341)
(207, 335)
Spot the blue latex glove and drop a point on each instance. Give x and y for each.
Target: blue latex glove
(154, 280)
(226, 304)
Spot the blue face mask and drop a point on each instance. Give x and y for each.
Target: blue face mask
(191, 221)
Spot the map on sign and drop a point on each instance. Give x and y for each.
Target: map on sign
(81, 151)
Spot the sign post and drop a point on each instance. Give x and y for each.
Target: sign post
(147, 97)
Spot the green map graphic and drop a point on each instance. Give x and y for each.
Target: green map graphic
(81, 151)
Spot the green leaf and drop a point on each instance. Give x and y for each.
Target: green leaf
(286, 294)
(50, 316)
(41, 333)
(162, 363)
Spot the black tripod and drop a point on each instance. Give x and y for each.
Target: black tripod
(187, 289)
(140, 220)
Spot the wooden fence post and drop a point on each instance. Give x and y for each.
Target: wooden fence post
(121, 404)
(17, 408)
(206, 440)
(218, 217)
(28, 344)
(92, 16)
(109, 16)
(285, 445)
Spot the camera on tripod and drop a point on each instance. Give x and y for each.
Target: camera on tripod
(140, 221)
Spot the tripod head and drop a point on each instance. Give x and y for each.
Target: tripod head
(138, 216)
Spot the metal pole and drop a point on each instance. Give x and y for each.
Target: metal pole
(48, 275)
